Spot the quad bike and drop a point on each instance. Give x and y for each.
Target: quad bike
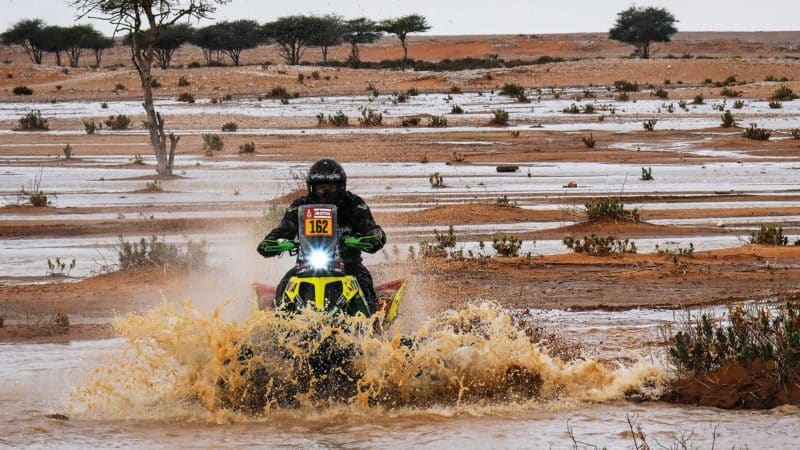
(320, 281)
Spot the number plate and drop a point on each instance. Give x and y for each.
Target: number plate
(318, 222)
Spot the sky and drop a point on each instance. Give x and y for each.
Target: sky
(448, 17)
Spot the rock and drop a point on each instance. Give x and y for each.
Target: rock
(720, 223)
(571, 184)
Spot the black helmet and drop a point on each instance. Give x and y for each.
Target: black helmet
(327, 171)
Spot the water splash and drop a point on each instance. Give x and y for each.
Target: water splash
(184, 364)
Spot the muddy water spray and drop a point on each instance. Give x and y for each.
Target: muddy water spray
(181, 363)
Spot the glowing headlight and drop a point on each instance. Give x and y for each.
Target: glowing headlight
(319, 259)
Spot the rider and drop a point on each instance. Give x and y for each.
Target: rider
(327, 184)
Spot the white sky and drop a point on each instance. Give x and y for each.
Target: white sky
(476, 16)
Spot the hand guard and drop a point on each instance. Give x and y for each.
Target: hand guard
(363, 243)
(274, 247)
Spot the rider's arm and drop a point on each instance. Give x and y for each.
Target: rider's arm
(364, 225)
(287, 229)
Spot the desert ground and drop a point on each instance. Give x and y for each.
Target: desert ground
(711, 189)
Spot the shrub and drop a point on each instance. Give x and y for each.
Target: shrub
(456, 110)
(186, 97)
(698, 99)
(38, 198)
(506, 246)
(588, 108)
(751, 333)
(775, 104)
(90, 126)
(647, 174)
(33, 121)
(728, 92)
(660, 93)
(440, 248)
(212, 142)
(301, 78)
(138, 160)
(588, 141)
(769, 78)
(400, 98)
(278, 92)
(154, 186)
(796, 133)
(677, 251)
(230, 127)
(104, 105)
(504, 202)
(315, 75)
(59, 87)
(512, 90)
(609, 208)
(500, 117)
(183, 82)
(284, 101)
(410, 121)
(650, 124)
(67, 151)
(156, 252)
(119, 87)
(783, 93)
(22, 90)
(626, 86)
(413, 92)
(756, 134)
(455, 89)
(572, 109)
(247, 147)
(769, 235)
(438, 122)
(738, 104)
(118, 122)
(728, 120)
(339, 119)
(227, 97)
(436, 180)
(155, 84)
(599, 246)
(370, 118)
(623, 97)
(58, 268)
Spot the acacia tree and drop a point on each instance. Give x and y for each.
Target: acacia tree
(359, 31)
(234, 37)
(98, 44)
(30, 35)
(54, 41)
(401, 26)
(207, 38)
(131, 16)
(171, 40)
(641, 26)
(76, 39)
(292, 34)
(327, 32)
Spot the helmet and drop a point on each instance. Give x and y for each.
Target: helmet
(327, 171)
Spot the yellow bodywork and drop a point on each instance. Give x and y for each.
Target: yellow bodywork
(350, 289)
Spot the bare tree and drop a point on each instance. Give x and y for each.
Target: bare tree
(151, 18)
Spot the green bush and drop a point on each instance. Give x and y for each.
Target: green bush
(698, 100)
(647, 174)
(440, 248)
(775, 104)
(212, 142)
(751, 333)
(588, 141)
(118, 122)
(33, 121)
(572, 109)
(370, 118)
(230, 127)
(506, 246)
(728, 120)
(728, 92)
(183, 82)
(738, 104)
(456, 110)
(22, 90)
(436, 180)
(609, 208)
(599, 246)
(783, 93)
(512, 90)
(186, 97)
(339, 119)
(67, 151)
(660, 93)
(157, 253)
(623, 97)
(756, 134)
(796, 133)
(769, 235)
(90, 126)
(278, 92)
(626, 86)
(247, 147)
(649, 125)
(500, 117)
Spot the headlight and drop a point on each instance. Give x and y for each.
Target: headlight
(319, 259)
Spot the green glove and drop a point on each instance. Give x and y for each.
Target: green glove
(273, 247)
(363, 243)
